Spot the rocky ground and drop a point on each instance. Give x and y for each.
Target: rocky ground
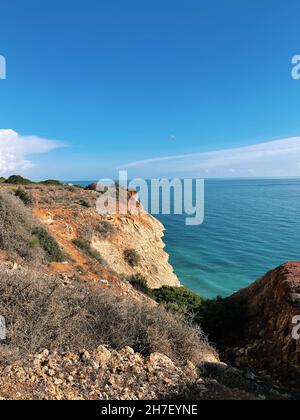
(104, 374)
(126, 375)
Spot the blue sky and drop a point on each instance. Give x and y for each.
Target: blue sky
(121, 81)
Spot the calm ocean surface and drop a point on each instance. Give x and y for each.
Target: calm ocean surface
(251, 226)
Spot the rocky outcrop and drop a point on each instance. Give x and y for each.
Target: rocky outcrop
(144, 234)
(71, 213)
(272, 303)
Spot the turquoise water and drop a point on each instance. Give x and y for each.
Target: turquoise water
(251, 226)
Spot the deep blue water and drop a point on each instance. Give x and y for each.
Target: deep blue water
(250, 227)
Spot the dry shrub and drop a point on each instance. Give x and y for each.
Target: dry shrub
(140, 283)
(16, 225)
(43, 313)
(132, 257)
(105, 229)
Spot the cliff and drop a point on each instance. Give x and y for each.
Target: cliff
(267, 343)
(78, 329)
(69, 214)
(144, 234)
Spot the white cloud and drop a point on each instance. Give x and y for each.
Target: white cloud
(15, 151)
(278, 158)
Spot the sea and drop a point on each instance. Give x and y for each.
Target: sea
(250, 227)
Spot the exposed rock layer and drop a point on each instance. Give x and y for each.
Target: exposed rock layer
(273, 302)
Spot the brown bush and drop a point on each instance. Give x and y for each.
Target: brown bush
(43, 313)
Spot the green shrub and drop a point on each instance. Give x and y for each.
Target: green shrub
(24, 196)
(52, 182)
(49, 244)
(18, 180)
(34, 243)
(132, 257)
(139, 283)
(83, 203)
(85, 246)
(179, 299)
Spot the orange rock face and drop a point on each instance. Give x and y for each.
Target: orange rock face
(273, 302)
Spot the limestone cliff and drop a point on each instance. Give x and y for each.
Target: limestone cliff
(69, 213)
(144, 234)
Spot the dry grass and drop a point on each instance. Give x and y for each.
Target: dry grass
(43, 313)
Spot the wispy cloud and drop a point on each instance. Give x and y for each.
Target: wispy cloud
(15, 150)
(272, 159)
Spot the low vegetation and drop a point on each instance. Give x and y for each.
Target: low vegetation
(24, 196)
(139, 283)
(223, 320)
(178, 299)
(52, 182)
(16, 225)
(49, 244)
(17, 180)
(43, 313)
(132, 257)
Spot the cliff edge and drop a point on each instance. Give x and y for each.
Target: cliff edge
(267, 341)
